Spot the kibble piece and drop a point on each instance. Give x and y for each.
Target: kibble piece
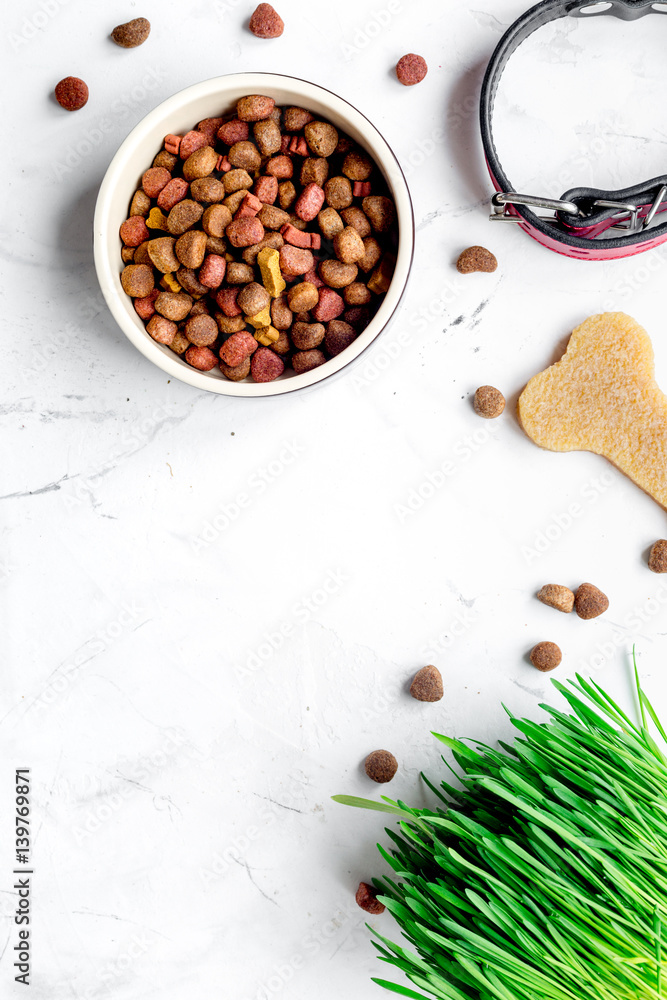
(314, 170)
(215, 220)
(212, 271)
(127, 254)
(140, 204)
(236, 373)
(162, 330)
(330, 305)
(356, 294)
(189, 281)
(365, 898)
(71, 93)
(380, 212)
(137, 280)
(338, 192)
(190, 248)
(556, 596)
(239, 347)
(657, 560)
(173, 305)
(476, 259)
(244, 232)
(161, 253)
(266, 366)
(381, 766)
(411, 69)
(339, 335)
(272, 217)
(183, 216)
(201, 358)
(253, 298)
(180, 343)
(303, 297)
(307, 336)
(207, 189)
(330, 223)
(254, 108)
(336, 274)
(134, 231)
(267, 136)
(246, 156)
(349, 246)
(546, 656)
(281, 314)
(132, 33)
(230, 324)
(427, 684)
(354, 217)
(488, 402)
(589, 602)
(165, 159)
(265, 22)
(321, 137)
(380, 279)
(305, 361)
(154, 179)
(269, 266)
(272, 240)
(201, 163)
(296, 118)
(372, 255)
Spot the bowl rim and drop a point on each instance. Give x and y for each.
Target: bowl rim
(109, 275)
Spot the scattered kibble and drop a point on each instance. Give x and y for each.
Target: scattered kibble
(411, 69)
(265, 22)
(367, 899)
(381, 766)
(657, 560)
(589, 602)
(554, 595)
(488, 402)
(546, 656)
(131, 34)
(476, 259)
(427, 684)
(71, 93)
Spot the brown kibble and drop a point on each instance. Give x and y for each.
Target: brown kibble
(349, 246)
(207, 189)
(167, 160)
(321, 137)
(546, 656)
(381, 766)
(183, 216)
(201, 163)
(161, 330)
(238, 273)
(190, 248)
(202, 330)
(173, 305)
(554, 595)
(132, 33)
(589, 602)
(265, 22)
(180, 343)
(339, 336)
(272, 217)
(411, 69)
(189, 281)
(336, 274)
(286, 194)
(354, 217)
(253, 298)
(137, 280)
(140, 204)
(338, 192)
(71, 93)
(365, 898)
(488, 402)
(245, 155)
(357, 166)
(307, 336)
(657, 560)
(356, 294)
(281, 314)
(476, 259)
(296, 118)
(314, 170)
(380, 212)
(267, 136)
(373, 253)
(161, 253)
(254, 108)
(215, 220)
(330, 223)
(236, 373)
(305, 361)
(303, 297)
(427, 684)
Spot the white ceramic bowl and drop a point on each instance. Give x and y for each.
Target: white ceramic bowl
(181, 112)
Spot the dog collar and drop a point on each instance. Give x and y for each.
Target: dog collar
(576, 223)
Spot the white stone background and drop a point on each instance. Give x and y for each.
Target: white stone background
(183, 750)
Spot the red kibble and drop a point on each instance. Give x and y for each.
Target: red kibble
(367, 899)
(266, 189)
(249, 207)
(233, 131)
(299, 146)
(210, 126)
(172, 143)
(309, 202)
(296, 237)
(266, 22)
(294, 261)
(280, 167)
(237, 348)
(201, 358)
(226, 301)
(329, 307)
(223, 164)
(314, 278)
(361, 189)
(266, 366)
(71, 93)
(190, 142)
(134, 231)
(315, 241)
(244, 232)
(146, 306)
(172, 193)
(411, 69)
(154, 180)
(212, 271)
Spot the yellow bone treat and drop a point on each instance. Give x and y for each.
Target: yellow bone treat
(602, 397)
(157, 220)
(266, 335)
(262, 318)
(380, 279)
(169, 282)
(269, 265)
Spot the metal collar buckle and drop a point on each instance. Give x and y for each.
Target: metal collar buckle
(628, 217)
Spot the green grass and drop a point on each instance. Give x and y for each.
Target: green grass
(544, 877)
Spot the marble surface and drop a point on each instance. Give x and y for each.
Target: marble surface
(191, 677)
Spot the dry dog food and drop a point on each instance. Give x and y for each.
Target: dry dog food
(554, 595)
(589, 602)
(367, 900)
(427, 684)
(71, 93)
(131, 34)
(268, 223)
(602, 397)
(381, 766)
(476, 259)
(411, 69)
(265, 22)
(546, 656)
(657, 560)
(488, 402)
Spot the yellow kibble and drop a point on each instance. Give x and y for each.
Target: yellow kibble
(267, 335)
(380, 279)
(157, 220)
(169, 282)
(269, 264)
(260, 319)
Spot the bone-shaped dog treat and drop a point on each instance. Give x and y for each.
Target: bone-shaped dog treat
(602, 397)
